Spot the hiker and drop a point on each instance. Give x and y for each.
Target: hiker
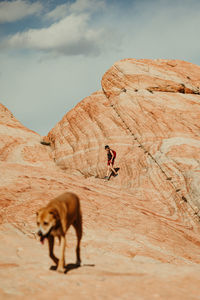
(111, 159)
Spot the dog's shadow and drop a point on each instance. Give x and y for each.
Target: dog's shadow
(72, 266)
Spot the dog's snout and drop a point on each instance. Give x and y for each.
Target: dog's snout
(40, 233)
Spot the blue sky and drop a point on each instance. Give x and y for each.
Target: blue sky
(54, 53)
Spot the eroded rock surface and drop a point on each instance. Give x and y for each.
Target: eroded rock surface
(147, 119)
(20, 145)
(141, 229)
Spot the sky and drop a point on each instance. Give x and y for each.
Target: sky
(54, 53)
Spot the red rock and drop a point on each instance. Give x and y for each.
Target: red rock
(141, 229)
(20, 145)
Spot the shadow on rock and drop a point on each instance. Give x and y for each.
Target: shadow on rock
(72, 266)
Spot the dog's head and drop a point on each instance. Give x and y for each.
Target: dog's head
(46, 220)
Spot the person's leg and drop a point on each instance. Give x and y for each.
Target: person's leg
(112, 168)
(108, 171)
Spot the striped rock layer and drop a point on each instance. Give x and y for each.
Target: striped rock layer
(141, 229)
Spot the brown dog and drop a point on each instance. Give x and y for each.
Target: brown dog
(55, 219)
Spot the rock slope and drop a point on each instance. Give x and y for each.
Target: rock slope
(141, 229)
(149, 112)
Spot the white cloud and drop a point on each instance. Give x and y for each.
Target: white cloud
(11, 11)
(70, 36)
(77, 7)
(58, 13)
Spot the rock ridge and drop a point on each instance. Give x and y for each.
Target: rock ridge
(141, 229)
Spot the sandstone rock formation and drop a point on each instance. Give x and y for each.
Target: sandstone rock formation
(149, 112)
(19, 144)
(141, 229)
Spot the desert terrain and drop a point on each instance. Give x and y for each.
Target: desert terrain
(142, 228)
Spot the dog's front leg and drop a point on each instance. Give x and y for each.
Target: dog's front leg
(61, 262)
(51, 245)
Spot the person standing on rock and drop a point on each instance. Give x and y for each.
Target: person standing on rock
(111, 159)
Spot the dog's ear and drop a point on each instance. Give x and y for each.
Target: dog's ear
(38, 211)
(60, 212)
(54, 212)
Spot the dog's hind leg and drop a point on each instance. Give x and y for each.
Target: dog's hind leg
(78, 227)
(51, 245)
